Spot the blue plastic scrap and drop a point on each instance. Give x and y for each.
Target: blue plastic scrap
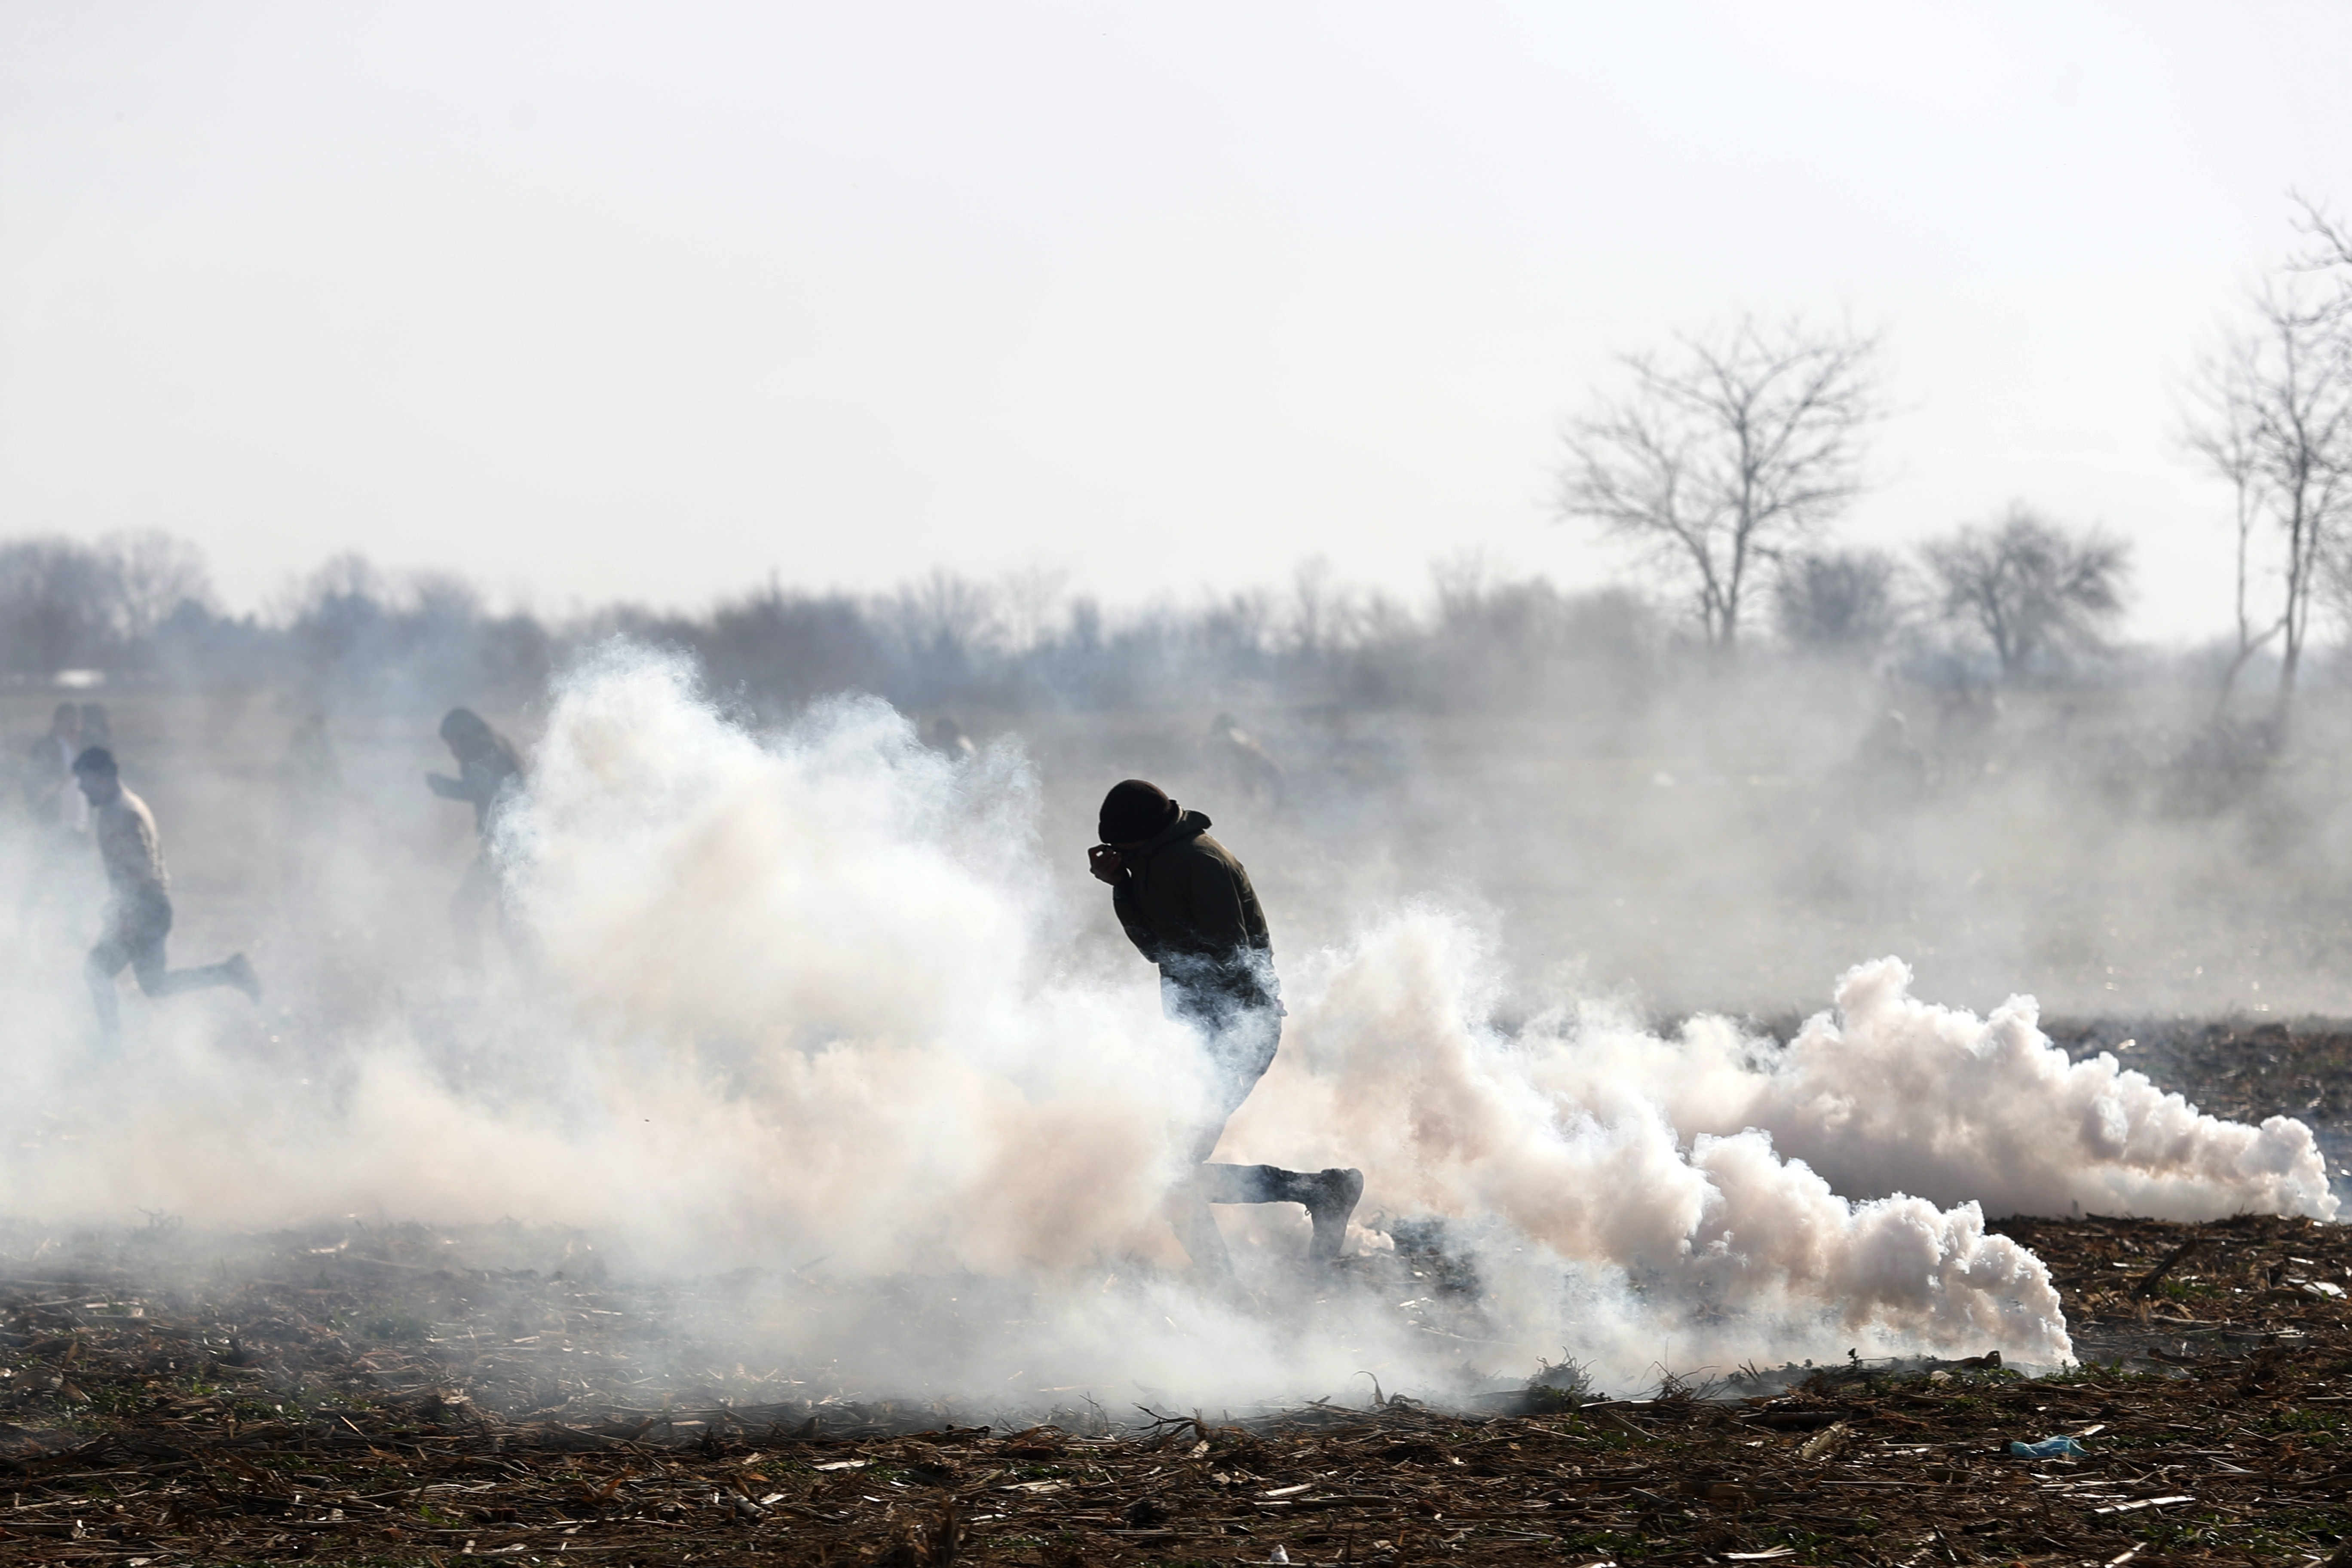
(2048, 1448)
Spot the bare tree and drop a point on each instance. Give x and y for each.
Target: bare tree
(2225, 439)
(154, 575)
(1845, 602)
(946, 617)
(2032, 587)
(2276, 423)
(2332, 241)
(1323, 614)
(1236, 629)
(1741, 445)
(1028, 598)
(58, 605)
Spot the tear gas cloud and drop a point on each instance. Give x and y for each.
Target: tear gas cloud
(809, 995)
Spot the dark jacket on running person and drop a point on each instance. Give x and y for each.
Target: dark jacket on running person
(482, 778)
(1188, 906)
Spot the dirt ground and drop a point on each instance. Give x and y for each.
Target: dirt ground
(358, 1404)
(316, 1418)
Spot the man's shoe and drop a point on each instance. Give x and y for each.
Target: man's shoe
(238, 970)
(1335, 1197)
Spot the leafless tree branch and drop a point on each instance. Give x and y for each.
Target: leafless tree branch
(2032, 587)
(1744, 443)
(2275, 422)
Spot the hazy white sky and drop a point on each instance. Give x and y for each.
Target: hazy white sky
(593, 302)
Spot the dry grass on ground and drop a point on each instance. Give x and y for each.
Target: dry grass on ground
(342, 1420)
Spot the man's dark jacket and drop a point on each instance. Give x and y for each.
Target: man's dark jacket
(1188, 906)
(481, 779)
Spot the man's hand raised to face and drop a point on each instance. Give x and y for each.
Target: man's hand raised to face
(1104, 863)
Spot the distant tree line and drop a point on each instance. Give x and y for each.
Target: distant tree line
(143, 606)
(2014, 597)
(65, 604)
(2034, 597)
(945, 641)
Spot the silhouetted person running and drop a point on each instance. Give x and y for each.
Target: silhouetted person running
(486, 764)
(1188, 906)
(1243, 759)
(139, 910)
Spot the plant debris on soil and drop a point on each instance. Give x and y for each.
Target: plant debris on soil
(341, 1421)
(377, 1401)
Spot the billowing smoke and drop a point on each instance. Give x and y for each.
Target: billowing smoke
(1724, 1247)
(1891, 1094)
(799, 997)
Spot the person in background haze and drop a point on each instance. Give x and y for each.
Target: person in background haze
(96, 728)
(1243, 759)
(139, 907)
(486, 766)
(1188, 906)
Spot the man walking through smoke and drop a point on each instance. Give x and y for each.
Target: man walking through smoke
(1188, 906)
(139, 912)
(487, 763)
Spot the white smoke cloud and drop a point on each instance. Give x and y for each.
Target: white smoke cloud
(802, 995)
(1733, 1250)
(1891, 1094)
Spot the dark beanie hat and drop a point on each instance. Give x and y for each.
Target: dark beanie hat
(1134, 810)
